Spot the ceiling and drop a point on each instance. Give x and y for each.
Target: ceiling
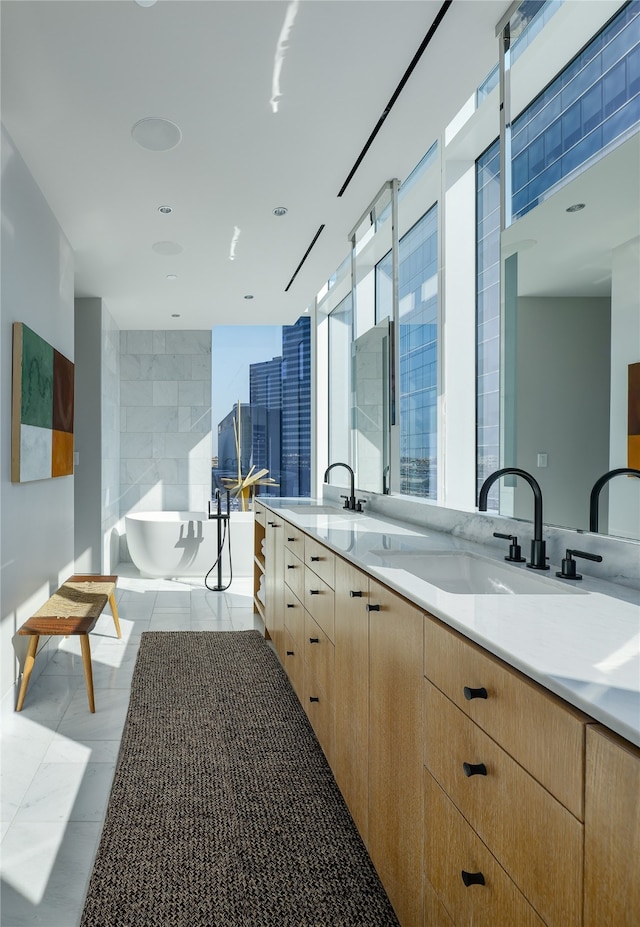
(78, 74)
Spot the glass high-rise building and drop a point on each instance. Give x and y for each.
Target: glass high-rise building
(265, 400)
(295, 477)
(280, 400)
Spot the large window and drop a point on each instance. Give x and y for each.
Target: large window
(261, 400)
(591, 105)
(418, 352)
(340, 339)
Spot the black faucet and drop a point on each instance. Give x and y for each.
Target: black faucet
(350, 500)
(538, 546)
(595, 492)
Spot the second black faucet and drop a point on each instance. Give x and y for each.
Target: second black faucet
(538, 559)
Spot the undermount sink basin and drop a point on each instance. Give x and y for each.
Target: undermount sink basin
(322, 510)
(466, 573)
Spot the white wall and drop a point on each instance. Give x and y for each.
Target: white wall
(36, 538)
(110, 485)
(459, 338)
(97, 444)
(624, 492)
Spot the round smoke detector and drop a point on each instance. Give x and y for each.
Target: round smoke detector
(167, 247)
(156, 134)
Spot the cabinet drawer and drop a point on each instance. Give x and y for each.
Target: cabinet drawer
(320, 560)
(611, 830)
(319, 709)
(550, 745)
(294, 540)
(318, 601)
(536, 840)
(259, 514)
(294, 574)
(435, 914)
(294, 664)
(319, 654)
(451, 847)
(294, 619)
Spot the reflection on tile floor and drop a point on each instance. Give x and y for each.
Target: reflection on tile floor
(58, 759)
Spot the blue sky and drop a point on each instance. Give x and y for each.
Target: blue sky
(233, 348)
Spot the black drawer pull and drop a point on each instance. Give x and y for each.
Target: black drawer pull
(291, 566)
(291, 605)
(472, 878)
(373, 608)
(474, 693)
(474, 769)
(290, 539)
(314, 558)
(313, 698)
(314, 640)
(314, 592)
(355, 594)
(272, 523)
(290, 653)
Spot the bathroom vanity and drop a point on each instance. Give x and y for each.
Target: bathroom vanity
(487, 744)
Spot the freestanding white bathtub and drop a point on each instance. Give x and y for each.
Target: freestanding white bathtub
(168, 544)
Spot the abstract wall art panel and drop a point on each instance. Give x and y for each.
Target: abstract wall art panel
(633, 431)
(42, 409)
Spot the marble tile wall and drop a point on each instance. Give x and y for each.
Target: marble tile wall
(165, 422)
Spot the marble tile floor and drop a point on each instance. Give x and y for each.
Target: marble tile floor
(58, 759)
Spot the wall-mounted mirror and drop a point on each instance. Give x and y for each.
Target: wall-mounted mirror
(571, 311)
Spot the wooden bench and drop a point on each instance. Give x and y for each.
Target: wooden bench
(73, 609)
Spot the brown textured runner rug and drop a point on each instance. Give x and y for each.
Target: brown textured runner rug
(223, 810)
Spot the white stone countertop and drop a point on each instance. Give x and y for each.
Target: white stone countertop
(582, 643)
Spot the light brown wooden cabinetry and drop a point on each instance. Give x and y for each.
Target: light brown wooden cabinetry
(294, 573)
(274, 591)
(540, 731)
(533, 837)
(259, 560)
(400, 702)
(612, 831)
(452, 849)
(501, 755)
(395, 749)
(294, 615)
(352, 691)
(318, 698)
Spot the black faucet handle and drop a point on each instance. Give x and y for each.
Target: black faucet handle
(515, 551)
(569, 565)
(347, 504)
(360, 503)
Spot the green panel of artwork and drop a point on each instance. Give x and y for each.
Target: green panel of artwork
(37, 380)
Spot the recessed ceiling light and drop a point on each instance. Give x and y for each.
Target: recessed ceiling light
(172, 276)
(175, 315)
(280, 211)
(248, 296)
(156, 134)
(167, 247)
(165, 210)
(145, 3)
(576, 207)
